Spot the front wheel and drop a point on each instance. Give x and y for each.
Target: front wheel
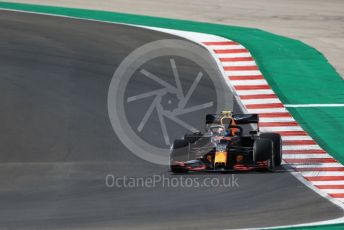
(179, 153)
(263, 151)
(271, 163)
(277, 146)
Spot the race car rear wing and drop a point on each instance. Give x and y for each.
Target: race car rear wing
(238, 118)
(246, 118)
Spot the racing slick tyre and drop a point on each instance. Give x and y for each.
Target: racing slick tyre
(263, 151)
(179, 152)
(277, 146)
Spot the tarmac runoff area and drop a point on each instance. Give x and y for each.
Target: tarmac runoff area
(317, 23)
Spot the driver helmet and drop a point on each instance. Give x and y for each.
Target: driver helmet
(226, 114)
(229, 115)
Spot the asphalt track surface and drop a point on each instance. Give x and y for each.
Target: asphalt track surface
(57, 144)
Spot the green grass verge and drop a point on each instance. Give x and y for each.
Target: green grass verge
(298, 73)
(321, 227)
(331, 123)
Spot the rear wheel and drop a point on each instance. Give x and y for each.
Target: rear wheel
(179, 153)
(277, 146)
(263, 151)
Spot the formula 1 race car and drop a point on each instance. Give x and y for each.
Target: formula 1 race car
(230, 143)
